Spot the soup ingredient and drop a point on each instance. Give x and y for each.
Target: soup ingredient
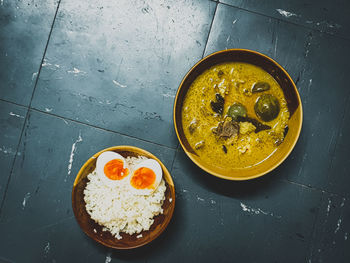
(246, 127)
(230, 120)
(193, 125)
(111, 167)
(199, 145)
(218, 106)
(146, 177)
(259, 126)
(237, 110)
(116, 209)
(267, 107)
(226, 129)
(260, 87)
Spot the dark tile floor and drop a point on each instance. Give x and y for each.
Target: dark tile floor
(99, 73)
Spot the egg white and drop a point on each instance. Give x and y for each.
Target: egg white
(102, 160)
(156, 168)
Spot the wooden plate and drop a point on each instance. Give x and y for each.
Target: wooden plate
(94, 230)
(293, 102)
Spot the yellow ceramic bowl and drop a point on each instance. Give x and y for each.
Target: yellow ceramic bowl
(290, 92)
(93, 230)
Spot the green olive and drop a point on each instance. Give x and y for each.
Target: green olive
(236, 110)
(267, 107)
(260, 87)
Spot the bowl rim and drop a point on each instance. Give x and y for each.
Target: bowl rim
(259, 174)
(131, 149)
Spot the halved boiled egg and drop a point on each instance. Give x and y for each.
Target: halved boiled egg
(111, 167)
(146, 177)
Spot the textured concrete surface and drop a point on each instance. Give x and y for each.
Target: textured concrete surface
(99, 73)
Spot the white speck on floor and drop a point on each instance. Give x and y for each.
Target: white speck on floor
(47, 248)
(328, 206)
(76, 71)
(5, 150)
(16, 115)
(338, 226)
(234, 21)
(71, 157)
(257, 211)
(66, 122)
(346, 236)
(275, 49)
(167, 95)
(48, 109)
(213, 201)
(45, 64)
(170, 200)
(200, 199)
(95, 231)
(285, 13)
(343, 202)
(108, 258)
(34, 75)
(118, 84)
(139, 236)
(25, 200)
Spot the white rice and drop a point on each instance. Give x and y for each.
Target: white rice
(117, 209)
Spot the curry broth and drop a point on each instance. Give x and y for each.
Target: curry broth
(234, 81)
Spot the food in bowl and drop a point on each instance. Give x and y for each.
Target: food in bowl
(235, 115)
(124, 194)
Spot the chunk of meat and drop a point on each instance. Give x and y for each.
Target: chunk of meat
(259, 126)
(199, 145)
(193, 126)
(227, 129)
(246, 127)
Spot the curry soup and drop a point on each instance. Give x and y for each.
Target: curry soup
(235, 115)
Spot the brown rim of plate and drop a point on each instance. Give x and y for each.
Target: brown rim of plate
(194, 68)
(90, 226)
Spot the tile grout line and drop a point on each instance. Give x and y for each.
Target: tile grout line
(210, 27)
(286, 21)
(172, 163)
(14, 103)
(42, 60)
(28, 109)
(100, 128)
(313, 188)
(177, 148)
(89, 125)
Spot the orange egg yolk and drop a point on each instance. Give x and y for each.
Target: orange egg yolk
(143, 178)
(114, 169)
